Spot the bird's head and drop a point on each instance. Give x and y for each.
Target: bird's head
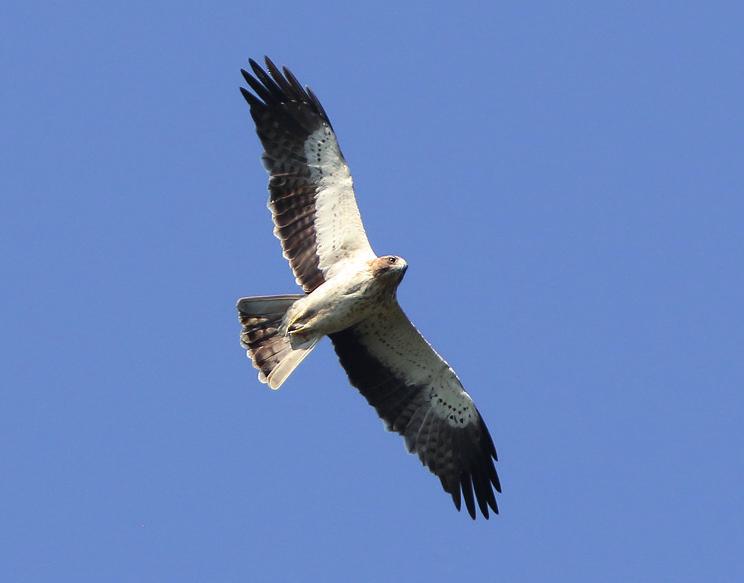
(389, 267)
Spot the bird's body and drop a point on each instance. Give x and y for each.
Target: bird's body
(350, 296)
(347, 298)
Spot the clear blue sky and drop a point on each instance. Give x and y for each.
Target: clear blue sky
(566, 183)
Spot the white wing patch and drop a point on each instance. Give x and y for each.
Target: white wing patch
(339, 232)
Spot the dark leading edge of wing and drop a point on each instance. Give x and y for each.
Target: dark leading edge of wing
(462, 457)
(286, 114)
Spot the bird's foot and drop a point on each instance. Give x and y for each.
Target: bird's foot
(295, 328)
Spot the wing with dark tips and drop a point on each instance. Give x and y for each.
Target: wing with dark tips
(312, 201)
(419, 396)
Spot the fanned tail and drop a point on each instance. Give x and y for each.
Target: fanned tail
(271, 352)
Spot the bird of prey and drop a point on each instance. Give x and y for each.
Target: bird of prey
(350, 296)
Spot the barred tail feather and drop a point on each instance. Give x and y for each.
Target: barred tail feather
(271, 352)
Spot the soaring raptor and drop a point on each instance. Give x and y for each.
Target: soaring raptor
(350, 296)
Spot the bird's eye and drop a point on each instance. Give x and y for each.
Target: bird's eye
(392, 260)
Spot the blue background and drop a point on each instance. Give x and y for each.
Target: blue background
(565, 180)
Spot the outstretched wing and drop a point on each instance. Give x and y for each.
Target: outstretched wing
(316, 217)
(418, 395)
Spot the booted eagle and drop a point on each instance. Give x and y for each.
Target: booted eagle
(350, 296)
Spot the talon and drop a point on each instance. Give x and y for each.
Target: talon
(296, 329)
